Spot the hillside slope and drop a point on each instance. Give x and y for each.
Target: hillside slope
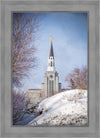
(68, 108)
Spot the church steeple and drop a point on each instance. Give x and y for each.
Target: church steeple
(51, 60)
(51, 49)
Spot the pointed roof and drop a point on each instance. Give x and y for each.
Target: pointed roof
(51, 51)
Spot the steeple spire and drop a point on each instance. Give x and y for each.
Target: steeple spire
(51, 59)
(51, 39)
(51, 49)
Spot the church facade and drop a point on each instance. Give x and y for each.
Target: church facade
(51, 83)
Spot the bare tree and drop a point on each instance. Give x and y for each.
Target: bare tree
(73, 86)
(25, 27)
(77, 78)
(18, 101)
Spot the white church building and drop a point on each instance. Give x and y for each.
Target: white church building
(51, 83)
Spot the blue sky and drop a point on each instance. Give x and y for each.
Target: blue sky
(69, 32)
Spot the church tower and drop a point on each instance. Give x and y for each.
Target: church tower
(51, 83)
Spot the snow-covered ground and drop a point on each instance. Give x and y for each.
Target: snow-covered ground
(68, 108)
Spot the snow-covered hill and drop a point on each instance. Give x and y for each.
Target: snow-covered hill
(67, 108)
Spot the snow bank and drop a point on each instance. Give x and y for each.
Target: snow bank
(63, 109)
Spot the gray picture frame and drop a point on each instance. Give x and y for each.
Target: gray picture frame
(90, 6)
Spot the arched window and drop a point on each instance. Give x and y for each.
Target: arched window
(51, 86)
(51, 63)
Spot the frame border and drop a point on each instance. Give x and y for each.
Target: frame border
(91, 6)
